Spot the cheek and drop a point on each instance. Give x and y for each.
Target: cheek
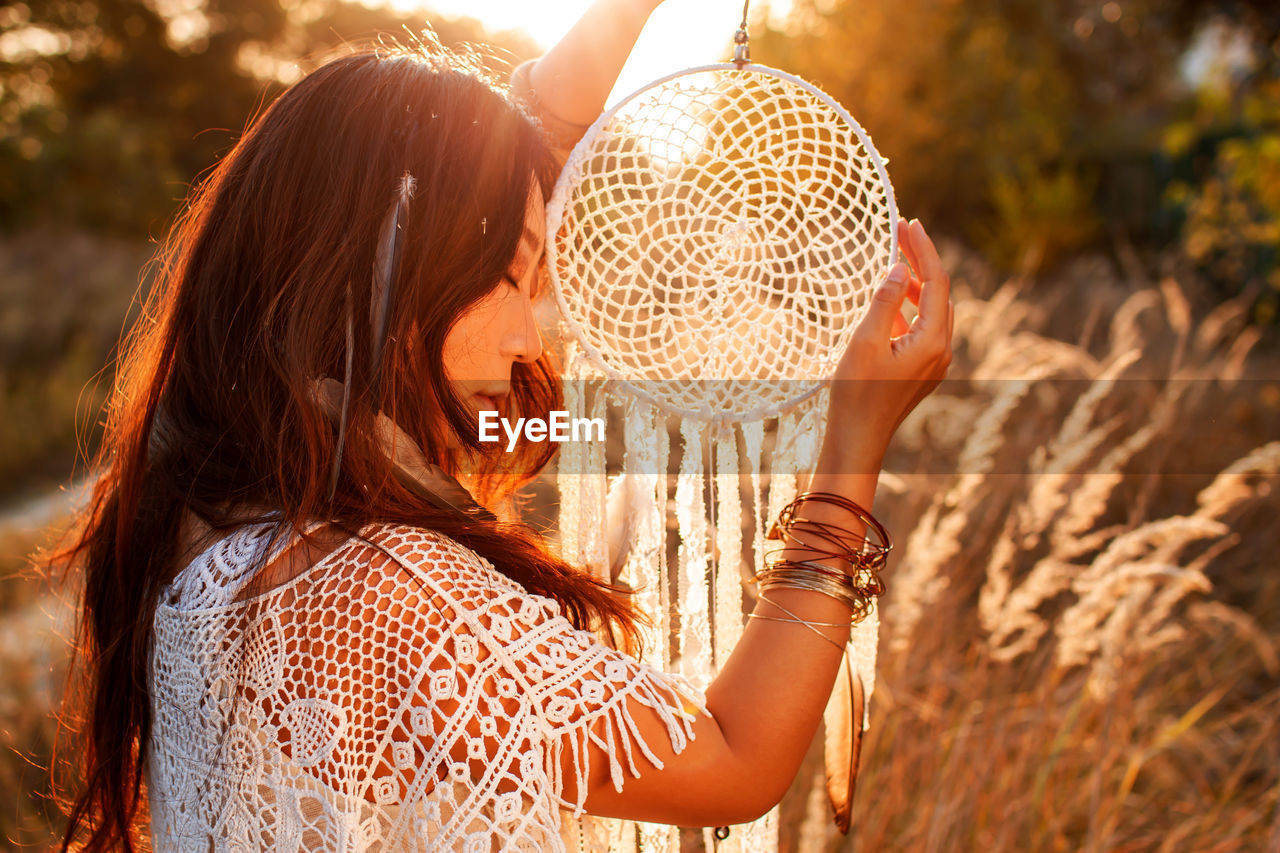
(473, 342)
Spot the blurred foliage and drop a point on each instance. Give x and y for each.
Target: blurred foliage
(109, 108)
(1032, 128)
(65, 296)
(1226, 192)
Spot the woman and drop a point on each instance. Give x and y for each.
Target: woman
(297, 631)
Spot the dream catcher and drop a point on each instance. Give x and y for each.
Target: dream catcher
(714, 240)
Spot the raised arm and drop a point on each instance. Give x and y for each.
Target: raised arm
(567, 87)
(576, 75)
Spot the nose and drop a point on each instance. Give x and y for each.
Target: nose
(524, 344)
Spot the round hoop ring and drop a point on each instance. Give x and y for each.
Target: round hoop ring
(569, 178)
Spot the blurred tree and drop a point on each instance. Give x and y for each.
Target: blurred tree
(109, 108)
(1224, 157)
(1226, 193)
(1030, 127)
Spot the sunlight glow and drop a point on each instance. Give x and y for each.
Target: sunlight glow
(680, 33)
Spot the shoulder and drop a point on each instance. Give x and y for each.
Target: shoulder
(440, 562)
(443, 584)
(418, 546)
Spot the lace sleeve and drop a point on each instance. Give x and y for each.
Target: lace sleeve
(576, 693)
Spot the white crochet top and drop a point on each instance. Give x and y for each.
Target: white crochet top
(401, 694)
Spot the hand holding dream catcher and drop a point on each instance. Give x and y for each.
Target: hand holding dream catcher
(714, 240)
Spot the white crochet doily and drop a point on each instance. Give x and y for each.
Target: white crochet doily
(720, 224)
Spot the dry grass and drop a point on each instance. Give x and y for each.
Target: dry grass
(34, 640)
(1081, 642)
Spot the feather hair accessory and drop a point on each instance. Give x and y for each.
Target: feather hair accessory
(410, 466)
(386, 267)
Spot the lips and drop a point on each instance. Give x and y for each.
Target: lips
(486, 402)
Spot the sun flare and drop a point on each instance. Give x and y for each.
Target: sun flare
(680, 33)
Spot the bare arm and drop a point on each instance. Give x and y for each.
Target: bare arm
(574, 77)
(766, 703)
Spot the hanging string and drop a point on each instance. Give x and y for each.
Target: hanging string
(742, 50)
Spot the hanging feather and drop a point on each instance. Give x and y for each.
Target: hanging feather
(593, 539)
(658, 837)
(843, 742)
(410, 466)
(572, 460)
(636, 518)
(810, 429)
(753, 444)
(782, 467)
(663, 445)
(620, 525)
(759, 836)
(863, 644)
(386, 268)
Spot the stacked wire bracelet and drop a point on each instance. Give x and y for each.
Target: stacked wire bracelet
(819, 541)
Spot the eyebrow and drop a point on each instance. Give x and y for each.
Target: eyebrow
(528, 236)
(528, 233)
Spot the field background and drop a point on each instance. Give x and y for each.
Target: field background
(1081, 642)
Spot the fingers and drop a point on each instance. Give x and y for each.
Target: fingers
(900, 326)
(904, 246)
(886, 307)
(908, 254)
(935, 290)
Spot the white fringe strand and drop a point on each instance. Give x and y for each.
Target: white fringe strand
(691, 516)
(728, 533)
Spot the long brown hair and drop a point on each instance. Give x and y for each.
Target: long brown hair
(212, 411)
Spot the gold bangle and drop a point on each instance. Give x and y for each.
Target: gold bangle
(815, 583)
(797, 620)
(859, 603)
(863, 577)
(856, 549)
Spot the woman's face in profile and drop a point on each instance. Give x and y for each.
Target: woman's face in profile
(500, 329)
